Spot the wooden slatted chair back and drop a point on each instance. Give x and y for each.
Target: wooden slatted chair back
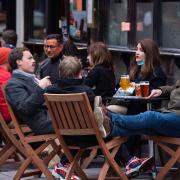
(71, 116)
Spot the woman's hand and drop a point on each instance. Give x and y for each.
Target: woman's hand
(155, 93)
(133, 84)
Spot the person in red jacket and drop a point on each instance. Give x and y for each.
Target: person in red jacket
(4, 77)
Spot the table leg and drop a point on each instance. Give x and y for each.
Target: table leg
(151, 146)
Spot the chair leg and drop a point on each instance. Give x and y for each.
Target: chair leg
(74, 164)
(86, 162)
(6, 152)
(110, 162)
(168, 165)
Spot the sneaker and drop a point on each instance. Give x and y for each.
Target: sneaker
(136, 166)
(97, 101)
(103, 121)
(60, 171)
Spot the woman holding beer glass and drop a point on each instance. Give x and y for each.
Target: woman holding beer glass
(101, 77)
(146, 67)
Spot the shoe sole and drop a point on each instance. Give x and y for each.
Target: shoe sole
(99, 119)
(133, 175)
(147, 165)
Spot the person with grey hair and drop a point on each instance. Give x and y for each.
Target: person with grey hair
(9, 38)
(70, 79)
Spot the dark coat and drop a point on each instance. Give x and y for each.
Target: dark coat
(102, 80)
(50, 67)
(66, 86)
(156, 79)
(27, 101)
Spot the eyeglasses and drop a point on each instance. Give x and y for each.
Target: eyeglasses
(50, 46)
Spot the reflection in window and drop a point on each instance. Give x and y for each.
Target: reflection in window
(171, 24)
(2, 15)
(144, 20)
(78, 26)
(39, 30)
(116, 33)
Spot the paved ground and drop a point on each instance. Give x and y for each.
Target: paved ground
(8, 171)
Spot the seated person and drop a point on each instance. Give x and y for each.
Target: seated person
(25, 92)
(166, 122)
(101, 77)
(70, 80)
(5, 75)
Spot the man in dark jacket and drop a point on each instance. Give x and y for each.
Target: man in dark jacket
(25, 92)
(70, 80)
(53, 48)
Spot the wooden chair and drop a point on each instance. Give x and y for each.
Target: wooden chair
(72, 115)
(34, 156)
(12, 144)
(165, 143)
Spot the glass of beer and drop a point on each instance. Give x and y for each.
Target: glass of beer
(124, 82)
(138, 89)
(144, 88)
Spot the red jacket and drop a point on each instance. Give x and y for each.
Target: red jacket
(4, 77)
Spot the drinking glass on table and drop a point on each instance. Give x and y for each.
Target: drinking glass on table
(144, 88)
(124, 82)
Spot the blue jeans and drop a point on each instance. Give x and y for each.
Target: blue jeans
(149, 122)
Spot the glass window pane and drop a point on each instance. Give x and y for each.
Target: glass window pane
(39, 30)
(171, 24)
(144, 20)
(78, 25)
(116, 33)
(3, 15)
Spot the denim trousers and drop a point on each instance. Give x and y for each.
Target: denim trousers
(149, 122)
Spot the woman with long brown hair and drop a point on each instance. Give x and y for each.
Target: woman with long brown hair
(146, 65)
(101, 77)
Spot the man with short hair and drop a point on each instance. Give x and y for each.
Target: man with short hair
(53, 48)
(70, 80)
(25, 92)
(9, 38)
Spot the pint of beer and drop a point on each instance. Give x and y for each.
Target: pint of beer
(138, 89)
(144, 88)
(125, 82)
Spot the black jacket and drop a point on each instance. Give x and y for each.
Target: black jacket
(27, 101)
(66, 86)
(156, 79)
(50, 67)
(102, 80)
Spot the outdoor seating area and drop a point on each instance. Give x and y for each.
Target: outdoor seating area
(89, 90)
(78, 120)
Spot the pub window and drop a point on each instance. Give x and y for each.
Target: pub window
(3, 15)
(77, 21)
(170, 24)
(117, 24)
(38, 20)
(144, 19)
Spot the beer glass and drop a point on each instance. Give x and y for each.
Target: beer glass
(125, 82)
(144, 88)
(138, 89)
